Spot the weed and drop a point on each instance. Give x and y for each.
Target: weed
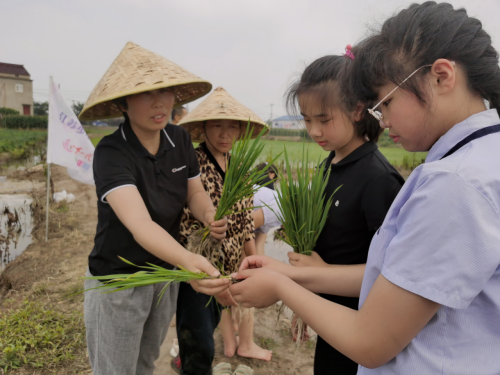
(40, 289)
(310, 344)
(268, 344)
(62, 206)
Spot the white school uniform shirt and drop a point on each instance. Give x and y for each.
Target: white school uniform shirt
(441, 240)
(266, 198)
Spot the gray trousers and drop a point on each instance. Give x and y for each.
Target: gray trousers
(126, 329)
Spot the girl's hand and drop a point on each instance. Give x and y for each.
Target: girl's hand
(217, 228)
(198, 263)
(225, 298)
(263, 261)
(301, 260)
(260, 287)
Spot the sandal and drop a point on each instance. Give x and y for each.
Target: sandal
(222, 368)
(243, 370)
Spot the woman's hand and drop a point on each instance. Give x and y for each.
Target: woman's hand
(260, 287)
(301, 260)
(217, 228)
(198, 263)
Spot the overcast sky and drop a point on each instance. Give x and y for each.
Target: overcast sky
(252, 48)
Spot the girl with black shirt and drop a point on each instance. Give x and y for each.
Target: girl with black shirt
(369, 184)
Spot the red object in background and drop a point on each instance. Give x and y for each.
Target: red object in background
(26, 109)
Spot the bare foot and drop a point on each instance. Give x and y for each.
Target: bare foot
(255, 351)
(230, 345)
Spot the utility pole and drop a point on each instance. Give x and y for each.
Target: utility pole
(271, 112)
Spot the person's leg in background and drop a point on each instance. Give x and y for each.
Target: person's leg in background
(196, 323)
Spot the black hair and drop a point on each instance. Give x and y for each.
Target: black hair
(177, 112)
(324, 77)
(122, 102)
(270, 168)
(418, 36)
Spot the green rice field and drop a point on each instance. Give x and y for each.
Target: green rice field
(395, 155)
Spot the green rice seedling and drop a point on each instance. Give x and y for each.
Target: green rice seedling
(154, 275)
(302, 205)
(241, 181)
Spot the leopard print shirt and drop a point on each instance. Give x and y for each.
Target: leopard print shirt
(240, 227)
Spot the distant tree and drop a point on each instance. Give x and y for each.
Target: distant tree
(8, 111)
(77, 107)
(41, 108)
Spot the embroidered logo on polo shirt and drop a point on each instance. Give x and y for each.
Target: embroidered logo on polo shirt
(178, 169)
(337, 204)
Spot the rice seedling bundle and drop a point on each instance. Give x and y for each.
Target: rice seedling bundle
(303, 210)
(303, 205)
(241, 181)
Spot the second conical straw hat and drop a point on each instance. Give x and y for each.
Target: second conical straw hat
(219, 105)
(137, 70)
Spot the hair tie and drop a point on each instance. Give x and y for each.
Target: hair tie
(348, 52)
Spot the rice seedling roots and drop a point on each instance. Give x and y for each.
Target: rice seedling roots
(208, 247)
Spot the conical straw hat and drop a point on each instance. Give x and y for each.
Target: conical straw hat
(219, 105)
(138, 70)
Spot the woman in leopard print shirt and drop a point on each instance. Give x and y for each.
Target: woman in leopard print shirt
(222, 122)
(240, 234)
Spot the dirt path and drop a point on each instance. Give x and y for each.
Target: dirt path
(48, 271)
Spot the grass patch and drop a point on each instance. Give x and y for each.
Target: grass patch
(34, 337)
(40, 290)
(18, 142)
(73, 292)
(396, 156)
(96, 140)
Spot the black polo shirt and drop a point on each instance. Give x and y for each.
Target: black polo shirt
(162, 180)
(369, 185)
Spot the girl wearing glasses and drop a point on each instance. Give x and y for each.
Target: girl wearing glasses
(430, 295)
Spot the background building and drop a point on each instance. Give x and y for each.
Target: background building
(16, 88)
(288, 122)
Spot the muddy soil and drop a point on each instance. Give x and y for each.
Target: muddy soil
(49, 271)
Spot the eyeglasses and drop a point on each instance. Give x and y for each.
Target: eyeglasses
(377, 114)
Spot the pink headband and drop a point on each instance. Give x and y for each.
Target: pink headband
(348, 52)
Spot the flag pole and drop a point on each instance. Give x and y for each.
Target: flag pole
(48, 165)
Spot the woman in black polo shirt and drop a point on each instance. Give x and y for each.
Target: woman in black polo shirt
(144, 173)
(369, 184)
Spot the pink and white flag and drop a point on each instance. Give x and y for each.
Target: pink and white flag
(68, 144)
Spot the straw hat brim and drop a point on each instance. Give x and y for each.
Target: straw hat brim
(137, 70)
(195, 128)
(219, 105)
(106, 108)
